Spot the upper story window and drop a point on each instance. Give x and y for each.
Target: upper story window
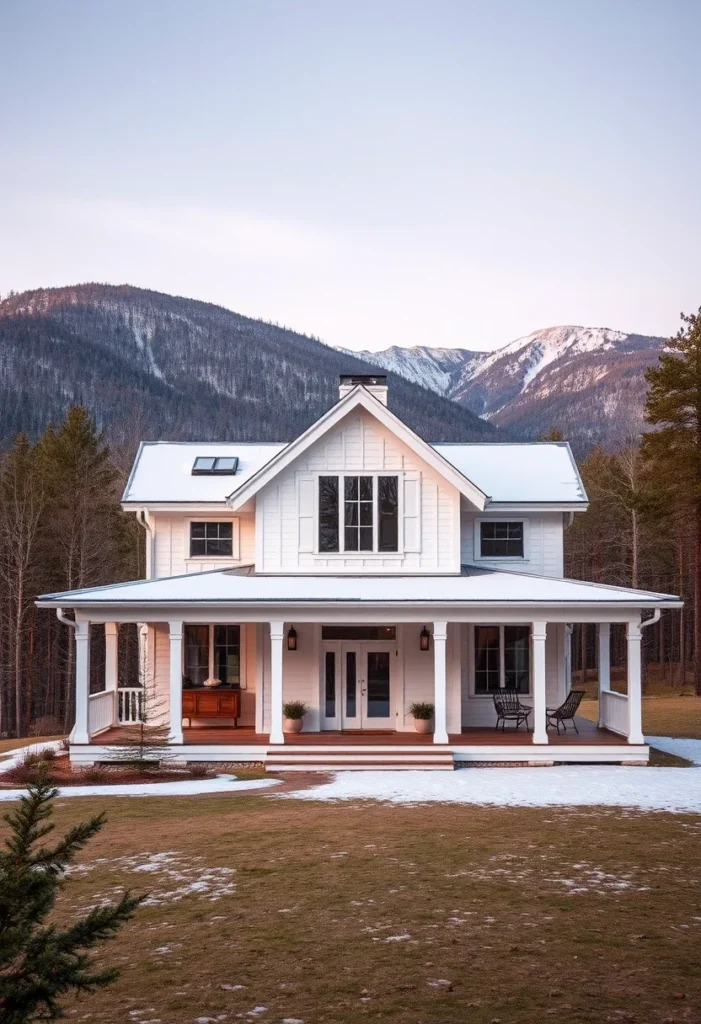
(209, 465)
(501, 540)
(358, 513)
(211, 540)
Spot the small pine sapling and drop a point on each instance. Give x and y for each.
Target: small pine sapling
(39, 963)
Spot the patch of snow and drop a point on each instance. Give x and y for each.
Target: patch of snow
(15, 757)
(648, 789)
(690, 749)
(185, 787)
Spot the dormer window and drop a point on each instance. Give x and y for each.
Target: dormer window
(210, 465)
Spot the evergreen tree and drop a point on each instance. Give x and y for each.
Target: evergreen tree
(85, 535)
(674, 406)
(22, 506)
(39, 963)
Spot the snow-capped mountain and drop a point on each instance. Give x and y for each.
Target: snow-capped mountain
(588, 382)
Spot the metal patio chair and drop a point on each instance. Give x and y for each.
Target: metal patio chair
(566, 712)
(509, 708)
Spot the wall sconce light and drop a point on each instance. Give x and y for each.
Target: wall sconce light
(292, 639)
(425, 639)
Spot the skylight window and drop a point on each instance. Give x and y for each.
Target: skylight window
(208, 465)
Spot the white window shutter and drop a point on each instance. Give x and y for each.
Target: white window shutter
(306, 510)
(412, 512)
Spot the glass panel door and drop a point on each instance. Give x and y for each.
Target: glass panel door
(377, 698)
(367, 686)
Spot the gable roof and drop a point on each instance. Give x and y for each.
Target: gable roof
(358, 398)
(474, 587)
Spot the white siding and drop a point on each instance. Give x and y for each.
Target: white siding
(286, 509)
(172, 543)
(545, 543)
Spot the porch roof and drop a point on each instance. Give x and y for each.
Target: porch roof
(475, 586)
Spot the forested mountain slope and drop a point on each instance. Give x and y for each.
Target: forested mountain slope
(149, 365)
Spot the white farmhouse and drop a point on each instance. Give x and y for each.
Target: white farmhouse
(359, 569)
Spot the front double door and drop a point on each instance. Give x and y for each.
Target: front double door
(363, 683)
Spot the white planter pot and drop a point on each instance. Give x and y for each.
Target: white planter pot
(423, 725)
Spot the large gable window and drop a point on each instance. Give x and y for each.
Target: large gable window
(211, 540)
(501, 539)
(502, 659)
(358, 513)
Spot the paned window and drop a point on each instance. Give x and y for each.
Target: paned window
(502, 658)
(212, 652)
(211, 540)
(358, 513)
(501, 540)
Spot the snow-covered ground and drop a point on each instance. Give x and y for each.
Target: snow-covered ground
(648, 789)
(12, 758)
(184, 787)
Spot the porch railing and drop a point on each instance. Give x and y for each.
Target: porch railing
(614, 712)
(129, 704)
(100, 711)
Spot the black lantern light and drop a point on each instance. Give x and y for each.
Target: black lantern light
(292, 639)
(425, 639)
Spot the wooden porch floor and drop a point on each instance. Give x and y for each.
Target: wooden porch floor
(589, 733)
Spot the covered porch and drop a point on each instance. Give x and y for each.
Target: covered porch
(456, 666)
(223, 652)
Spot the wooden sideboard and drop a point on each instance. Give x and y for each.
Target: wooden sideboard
(211, 702)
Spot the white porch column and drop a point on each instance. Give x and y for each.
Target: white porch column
(81, 731)
(111, 664)
(635, 705)
(277, 632)
(440, 636)
(175, 632)
(604, 631)
(538, 634)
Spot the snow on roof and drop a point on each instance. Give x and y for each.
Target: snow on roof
(162, 470)
(539, 472)
(475, 586)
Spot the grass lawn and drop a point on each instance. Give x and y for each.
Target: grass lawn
(27, 741)
(414, 915)
(662, 716)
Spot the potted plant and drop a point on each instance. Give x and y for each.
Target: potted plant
(293, 713)
(423, 715)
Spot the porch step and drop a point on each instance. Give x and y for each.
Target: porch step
(344, 761)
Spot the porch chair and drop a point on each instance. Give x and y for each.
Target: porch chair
(509, 707)
(566, 712)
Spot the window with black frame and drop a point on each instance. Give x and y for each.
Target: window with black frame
(502, 659)
(369, 508)
(212, 652)
(501, 539)
(211, 540)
